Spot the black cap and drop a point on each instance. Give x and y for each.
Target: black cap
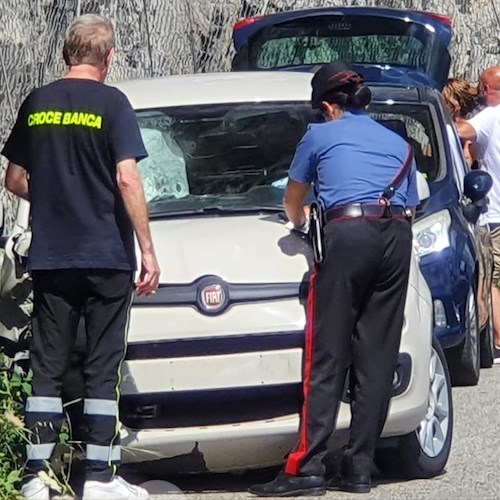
(329, 77)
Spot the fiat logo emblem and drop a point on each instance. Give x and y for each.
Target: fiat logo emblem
(213, 297)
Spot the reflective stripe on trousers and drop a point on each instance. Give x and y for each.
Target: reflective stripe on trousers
(106, 454)
(101, 407)
(39, 451)
(44, 416)
(42, 404)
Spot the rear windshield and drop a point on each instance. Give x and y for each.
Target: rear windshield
(236, 156)
(360, 39)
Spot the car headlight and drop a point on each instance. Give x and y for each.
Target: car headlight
(432, 234)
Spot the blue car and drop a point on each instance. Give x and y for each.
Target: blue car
(404, 57)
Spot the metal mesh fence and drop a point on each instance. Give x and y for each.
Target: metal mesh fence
(161, 37)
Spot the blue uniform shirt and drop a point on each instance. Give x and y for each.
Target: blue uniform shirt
(352, 160)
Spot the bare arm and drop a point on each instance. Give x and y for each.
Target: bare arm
(466, 131)
(130, 185)
(16, 181)
(295, 194)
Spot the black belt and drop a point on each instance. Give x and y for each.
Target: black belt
(366, 210)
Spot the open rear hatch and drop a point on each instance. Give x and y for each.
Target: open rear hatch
(387, 46)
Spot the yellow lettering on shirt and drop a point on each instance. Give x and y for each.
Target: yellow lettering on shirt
(67, 118)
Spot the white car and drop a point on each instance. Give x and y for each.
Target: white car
(212, 379)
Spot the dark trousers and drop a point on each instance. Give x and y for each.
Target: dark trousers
(355, 316)
(61, 298)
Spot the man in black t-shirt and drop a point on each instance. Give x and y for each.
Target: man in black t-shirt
(73, 154)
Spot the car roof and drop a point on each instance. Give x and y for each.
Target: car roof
(226, 88)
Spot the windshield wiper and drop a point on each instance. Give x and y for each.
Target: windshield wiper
(229, 210)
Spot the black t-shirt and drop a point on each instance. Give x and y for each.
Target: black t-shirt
(69, 136)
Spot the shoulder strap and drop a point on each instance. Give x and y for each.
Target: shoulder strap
(400, 176)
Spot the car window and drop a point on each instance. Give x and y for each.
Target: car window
(414, 123)
(301, 50)
(237, 156)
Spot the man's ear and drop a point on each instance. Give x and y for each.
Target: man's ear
(110, 57)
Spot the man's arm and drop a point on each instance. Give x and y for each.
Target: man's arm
(295, 194)
(466, 131)
(16, 180)
(130, 185)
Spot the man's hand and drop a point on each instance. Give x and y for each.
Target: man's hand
(468, 152)
(150, 274)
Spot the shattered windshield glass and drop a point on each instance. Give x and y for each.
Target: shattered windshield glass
(237, 156)
(229, 156)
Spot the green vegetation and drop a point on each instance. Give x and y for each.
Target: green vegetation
(14, 388)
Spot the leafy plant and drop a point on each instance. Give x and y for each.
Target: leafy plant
(14, 388)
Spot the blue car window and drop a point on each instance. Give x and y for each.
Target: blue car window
(414, 123)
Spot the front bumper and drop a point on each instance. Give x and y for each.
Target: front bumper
(239, 445)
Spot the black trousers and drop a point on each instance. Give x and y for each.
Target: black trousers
(61, 298)
(355, 316)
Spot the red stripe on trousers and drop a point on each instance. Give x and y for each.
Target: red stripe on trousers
(295, 458)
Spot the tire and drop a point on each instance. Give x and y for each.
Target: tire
(464, 360)
(423, 453)
(487, 346)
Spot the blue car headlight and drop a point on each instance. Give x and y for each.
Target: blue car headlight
(432, 234)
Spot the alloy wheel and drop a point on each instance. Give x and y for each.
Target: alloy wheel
(433, 429)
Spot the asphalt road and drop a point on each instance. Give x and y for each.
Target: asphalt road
(473, 470)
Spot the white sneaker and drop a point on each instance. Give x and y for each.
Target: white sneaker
(35, 489)
(117, 489)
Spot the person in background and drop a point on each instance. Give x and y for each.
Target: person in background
(483, 130)
(357, 294)
(73, 154)
(461, 97)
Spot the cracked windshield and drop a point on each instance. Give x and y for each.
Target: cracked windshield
(236, 156)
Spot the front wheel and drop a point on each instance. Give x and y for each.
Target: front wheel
(424, 452)
(464, 360)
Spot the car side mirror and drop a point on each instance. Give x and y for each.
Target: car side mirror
(477, 185)
(422, 187)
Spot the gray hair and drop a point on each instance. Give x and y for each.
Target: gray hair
(89, 40)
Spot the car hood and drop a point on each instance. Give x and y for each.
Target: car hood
(238, 249)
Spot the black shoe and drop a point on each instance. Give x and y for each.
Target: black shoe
(354, 484)
(291, 486)
(496, 354)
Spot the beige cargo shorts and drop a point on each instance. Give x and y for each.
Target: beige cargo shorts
(495, 244)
